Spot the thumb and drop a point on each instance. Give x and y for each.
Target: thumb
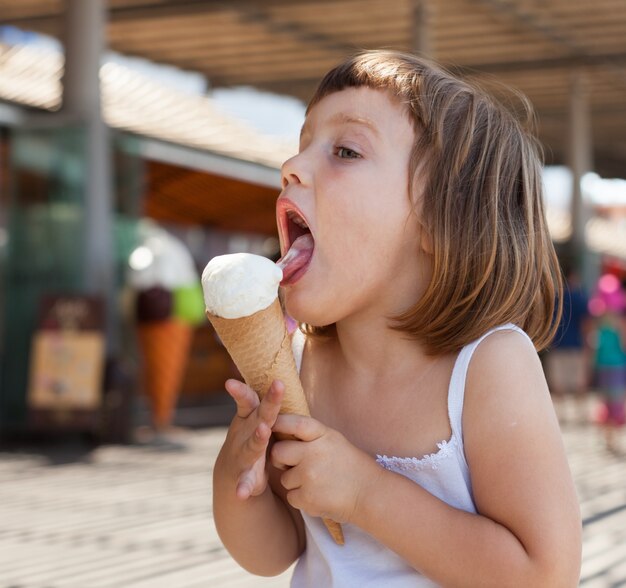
(247, 484)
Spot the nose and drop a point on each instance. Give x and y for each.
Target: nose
(292, 171)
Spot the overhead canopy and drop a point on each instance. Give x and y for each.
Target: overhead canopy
(286, 45)
(181, 195)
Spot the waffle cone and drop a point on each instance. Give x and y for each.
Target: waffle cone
(164, 347)
(260, 347)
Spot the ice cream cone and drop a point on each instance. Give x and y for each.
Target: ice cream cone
(164, 347)
(260, 347)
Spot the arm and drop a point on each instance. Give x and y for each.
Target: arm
(527, 532)
(257, 526)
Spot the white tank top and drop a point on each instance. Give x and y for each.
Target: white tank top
(363, 561)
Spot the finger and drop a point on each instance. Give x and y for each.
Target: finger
(245, 397)
(290, 479)
(294, 498)
(256, 445)
(286, 454)
(301, 427)
(245, 485)
(270, 405)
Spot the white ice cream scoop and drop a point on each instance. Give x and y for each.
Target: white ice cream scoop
(240, 284)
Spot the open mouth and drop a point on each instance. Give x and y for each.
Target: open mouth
(299, 246)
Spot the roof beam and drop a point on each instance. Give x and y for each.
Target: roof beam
(201, 160)
(568, 61)
(246, 11)
(473, 69)
(533, 22)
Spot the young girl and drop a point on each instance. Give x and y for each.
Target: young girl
(424, 274)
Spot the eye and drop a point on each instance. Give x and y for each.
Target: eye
(346, 153)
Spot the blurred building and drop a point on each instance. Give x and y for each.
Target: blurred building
(92, 142)
(72, 198)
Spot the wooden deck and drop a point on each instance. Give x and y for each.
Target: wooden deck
(115, 517)
(133, 517)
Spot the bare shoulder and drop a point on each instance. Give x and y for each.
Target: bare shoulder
(504, 364)
(506, 394)
(519, 470)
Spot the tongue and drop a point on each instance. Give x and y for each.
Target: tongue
(297, 257)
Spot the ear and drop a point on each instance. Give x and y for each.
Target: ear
(427, 243)
(425, 240)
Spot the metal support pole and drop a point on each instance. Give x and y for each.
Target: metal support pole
(84, 45)
(421, 28)
(581, 162)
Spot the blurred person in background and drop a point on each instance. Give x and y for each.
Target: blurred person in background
(609, 358)
(567, 362)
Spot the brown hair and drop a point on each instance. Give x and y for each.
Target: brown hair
(481, 204)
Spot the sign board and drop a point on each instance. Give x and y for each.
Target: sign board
(67, 358)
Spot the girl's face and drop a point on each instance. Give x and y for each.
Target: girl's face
(349, 187)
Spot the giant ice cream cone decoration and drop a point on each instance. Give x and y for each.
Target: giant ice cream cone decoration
(241, 295)
(165, 347)
(168, 304)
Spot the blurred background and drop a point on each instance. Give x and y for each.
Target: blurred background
(139, 138)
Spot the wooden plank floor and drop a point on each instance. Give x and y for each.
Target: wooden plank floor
(130, 517)
(134, 517)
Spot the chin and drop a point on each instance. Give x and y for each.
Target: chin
(304, 312)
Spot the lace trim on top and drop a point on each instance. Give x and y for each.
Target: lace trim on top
(416, 464)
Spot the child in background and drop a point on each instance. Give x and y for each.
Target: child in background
(567, 362)
(424, 276)
(607, 306)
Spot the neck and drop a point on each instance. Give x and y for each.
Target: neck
(372, 350)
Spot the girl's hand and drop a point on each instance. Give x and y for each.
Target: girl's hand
(324, 474)
(249, 435)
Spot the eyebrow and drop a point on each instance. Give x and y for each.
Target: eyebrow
(342, 118)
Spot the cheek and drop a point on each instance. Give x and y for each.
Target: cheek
(348, 235)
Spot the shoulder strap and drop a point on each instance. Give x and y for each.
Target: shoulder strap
(456, 392)
(297, 347)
